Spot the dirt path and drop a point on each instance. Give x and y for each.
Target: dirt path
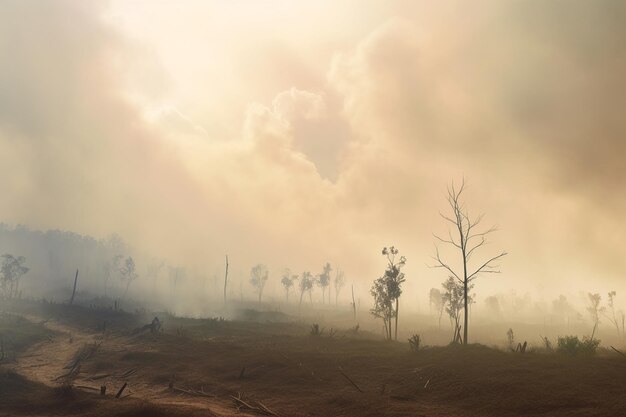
(47, 361)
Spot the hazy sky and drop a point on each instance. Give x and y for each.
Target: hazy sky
(292, 132)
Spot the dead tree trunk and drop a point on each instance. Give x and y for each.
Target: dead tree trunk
(397, 306)
(225, 279)
(74, 290)
(353, 304)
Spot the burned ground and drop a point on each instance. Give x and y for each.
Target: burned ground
(197, 366)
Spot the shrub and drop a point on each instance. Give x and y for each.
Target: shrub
(316, 331)
(414, 342)
(571, 345)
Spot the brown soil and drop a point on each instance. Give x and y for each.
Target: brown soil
(294, 374)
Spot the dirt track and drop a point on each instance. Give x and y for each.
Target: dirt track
(47, 361)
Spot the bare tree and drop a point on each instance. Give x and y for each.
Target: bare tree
(467, 241)
(258, 278)
(288, 280)
(340, 281)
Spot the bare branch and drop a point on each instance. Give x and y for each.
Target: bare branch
(491, 230)
(482, 242)
(447, 218)
(451, 241)
(487, 265)
(442, 264)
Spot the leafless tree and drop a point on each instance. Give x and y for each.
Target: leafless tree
(466, 238)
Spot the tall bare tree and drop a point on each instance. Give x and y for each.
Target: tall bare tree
(466, 237)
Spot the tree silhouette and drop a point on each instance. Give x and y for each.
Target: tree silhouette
(128, 273)
(340, 281)
(12, 270)
(306, 285)
(288, 280)
(324, 281)
(386, 291)
(467, 241)
(258, 278)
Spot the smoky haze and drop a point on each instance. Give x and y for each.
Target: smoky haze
(199, 129)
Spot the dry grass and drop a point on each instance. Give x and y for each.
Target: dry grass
(295, 374)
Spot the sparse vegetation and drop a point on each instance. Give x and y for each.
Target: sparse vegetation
(571, 345)
(258, 278)
(288, 281)
(387, 290)
(11, 272)
(414, 342)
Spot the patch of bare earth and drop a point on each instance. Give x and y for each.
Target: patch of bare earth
(199, 367)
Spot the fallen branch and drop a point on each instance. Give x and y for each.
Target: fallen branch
(618, 351)
(127, 373)
(97, 377)
(119, 393)
(262, 409)
(349, 379)
(87, 387)
(193, 392)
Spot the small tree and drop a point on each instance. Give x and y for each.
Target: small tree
(306, 285)
(467, 242)
(128, 273)
(258, 278)
(288, 280)
(383, 305)
(340, 281)
(324, 281)
(12, 270)
(387, 290)
(453, 300)
(594, 309)
(612, 316)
